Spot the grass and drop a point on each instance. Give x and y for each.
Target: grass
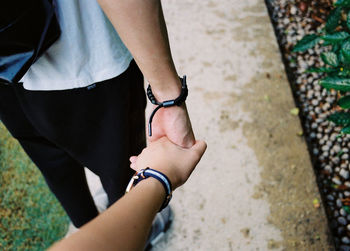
(30, 216)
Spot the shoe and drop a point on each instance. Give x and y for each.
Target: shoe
(160, 225)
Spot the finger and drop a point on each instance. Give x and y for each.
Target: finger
(133, 166)
(199, 147)
(133, 159)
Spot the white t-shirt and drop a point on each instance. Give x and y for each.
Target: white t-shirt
(89, 50)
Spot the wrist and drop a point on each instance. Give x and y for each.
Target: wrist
(167, 91)
(162, 181)
(154, 186)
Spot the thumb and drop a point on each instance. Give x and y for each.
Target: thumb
(199, 148)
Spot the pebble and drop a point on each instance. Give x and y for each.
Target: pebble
(325, 148)
(342, 221)
(330, 197)
(336, 180)
(342, 212)
(328, 168)
(345, 240)
(340, 230)
(293, 10)
(344, 174)
(345, 156)
(339, 203)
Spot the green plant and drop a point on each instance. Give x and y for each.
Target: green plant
(30, 216)
(336, 35)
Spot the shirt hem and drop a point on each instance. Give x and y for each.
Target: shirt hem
(82, 82)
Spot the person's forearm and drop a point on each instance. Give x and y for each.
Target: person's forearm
(141, 26)
(124, 226)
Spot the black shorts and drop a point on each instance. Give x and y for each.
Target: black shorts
(99, 127)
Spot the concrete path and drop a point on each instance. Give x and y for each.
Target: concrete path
(255, 187)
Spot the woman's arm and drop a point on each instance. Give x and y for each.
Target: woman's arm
(126, 224)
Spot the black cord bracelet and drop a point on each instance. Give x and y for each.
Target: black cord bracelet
(178, 101)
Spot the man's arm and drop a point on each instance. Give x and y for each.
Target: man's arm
(141, 26)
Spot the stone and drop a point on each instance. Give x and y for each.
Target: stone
(342, 221)
(336, 180)
(336, 214)
(330, 197)
(339, 203)
(293, 10)
(345, 240)
(342, 212)
(343, 173)
(325, 148)
(328, 168)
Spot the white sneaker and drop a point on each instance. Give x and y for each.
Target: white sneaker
(161, 224)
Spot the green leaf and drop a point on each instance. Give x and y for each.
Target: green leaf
(326, 43)
(344, 73)
(345, 50)
(320, 70)
(330, 58)
(336, 83)
(341, 58)
(306, 43)
(346, 130)
(343, 3)
(344, 102)
(336, 48)
(346, 209)
(340, 118)
(348, 20)
(336, 37)
(333, 19)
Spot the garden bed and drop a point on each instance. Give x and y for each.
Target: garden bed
(329, 151)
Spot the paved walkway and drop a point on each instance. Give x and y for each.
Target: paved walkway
(255, 187)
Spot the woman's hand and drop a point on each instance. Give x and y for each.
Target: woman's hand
(175, 162)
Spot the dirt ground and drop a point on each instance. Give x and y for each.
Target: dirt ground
(255, 188)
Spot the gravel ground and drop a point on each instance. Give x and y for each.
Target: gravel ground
(329, 152)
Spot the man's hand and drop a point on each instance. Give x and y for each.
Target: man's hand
(175, 162)
(174, 123)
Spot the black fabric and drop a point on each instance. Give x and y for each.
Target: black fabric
(27, 29)
(98, 127)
